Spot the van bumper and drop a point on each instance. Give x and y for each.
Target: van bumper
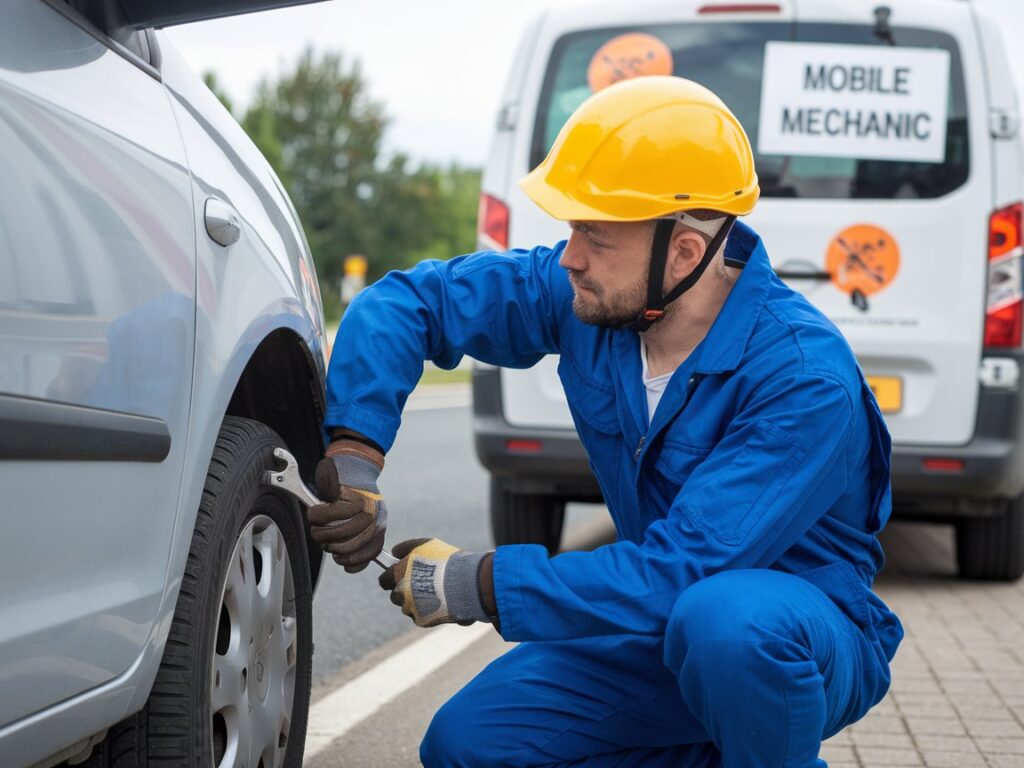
(993, 464)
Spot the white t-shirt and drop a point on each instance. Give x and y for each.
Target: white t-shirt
(655, 386)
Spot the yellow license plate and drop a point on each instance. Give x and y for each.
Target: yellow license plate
(888, 392)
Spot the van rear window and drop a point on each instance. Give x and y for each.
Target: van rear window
(729, 59)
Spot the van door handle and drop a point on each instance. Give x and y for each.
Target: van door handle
(802, 275)
(222, 223)
(801, 270)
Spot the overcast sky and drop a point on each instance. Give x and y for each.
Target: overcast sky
(437, 66)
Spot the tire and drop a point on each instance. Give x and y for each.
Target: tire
(518, 518)
(992, 548)
(247, 536)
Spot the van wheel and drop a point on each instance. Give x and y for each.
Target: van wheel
(992, 548)
(233, 686)
(518, 518)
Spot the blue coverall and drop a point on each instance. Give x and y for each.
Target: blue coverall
(733, 622)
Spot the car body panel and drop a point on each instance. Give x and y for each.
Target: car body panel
(102, 316)
(262, 285)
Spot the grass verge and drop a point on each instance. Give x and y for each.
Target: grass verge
(439, 376)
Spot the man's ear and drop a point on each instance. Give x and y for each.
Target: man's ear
(685, 250)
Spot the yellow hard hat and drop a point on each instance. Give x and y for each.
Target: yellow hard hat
(645, 148)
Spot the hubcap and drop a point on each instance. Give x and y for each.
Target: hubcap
(252, 677)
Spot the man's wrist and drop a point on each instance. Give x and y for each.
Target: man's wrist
(459, 580)
(485, 583)
(344, 433)
(347, 446)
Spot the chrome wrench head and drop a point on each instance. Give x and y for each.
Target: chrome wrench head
(288, 479)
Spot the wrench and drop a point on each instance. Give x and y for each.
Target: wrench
(288, 479)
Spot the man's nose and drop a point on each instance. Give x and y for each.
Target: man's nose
(570, 258)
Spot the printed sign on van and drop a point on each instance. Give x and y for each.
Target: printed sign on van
(860, 101)
(862, 260)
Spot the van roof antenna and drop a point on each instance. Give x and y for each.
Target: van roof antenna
(882, 29)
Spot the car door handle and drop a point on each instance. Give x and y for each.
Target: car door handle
(222, 223)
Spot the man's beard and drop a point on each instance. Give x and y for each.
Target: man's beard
(598, 308)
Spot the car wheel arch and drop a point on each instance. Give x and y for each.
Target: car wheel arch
(282, 387)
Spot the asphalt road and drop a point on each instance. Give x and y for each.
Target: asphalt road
(433, 486)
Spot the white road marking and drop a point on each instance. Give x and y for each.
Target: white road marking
(338, 712)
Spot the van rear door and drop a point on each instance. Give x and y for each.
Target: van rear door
(895, 246)
(891, 244)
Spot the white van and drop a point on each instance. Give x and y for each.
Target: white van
(889, 153)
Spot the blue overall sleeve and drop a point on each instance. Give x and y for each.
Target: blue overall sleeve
(778, 469)
(500, 308)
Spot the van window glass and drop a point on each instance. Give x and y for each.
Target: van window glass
(728, 59)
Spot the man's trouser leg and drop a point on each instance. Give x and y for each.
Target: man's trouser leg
(770, 666)
(605, 701)
(756, 667)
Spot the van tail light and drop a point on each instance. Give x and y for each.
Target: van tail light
(524, 446)
(492, 223)
(954, 466)
(1004, 310)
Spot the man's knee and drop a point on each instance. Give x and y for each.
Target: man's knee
(460, 735)
(449, 738)
(442, 739)
(727, 622)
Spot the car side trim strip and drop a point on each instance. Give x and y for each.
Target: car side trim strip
(42, 430)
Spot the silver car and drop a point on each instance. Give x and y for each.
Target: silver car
(161, 333)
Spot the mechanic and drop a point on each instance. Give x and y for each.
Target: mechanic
(739, 450)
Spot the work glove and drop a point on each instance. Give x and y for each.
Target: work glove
(435, 583)
(350, 525)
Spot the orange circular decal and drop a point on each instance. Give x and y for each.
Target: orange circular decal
(862, 260)
(627, 56)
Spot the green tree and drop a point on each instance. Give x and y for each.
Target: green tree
(460, 189)
(425, 212)
(322, 132)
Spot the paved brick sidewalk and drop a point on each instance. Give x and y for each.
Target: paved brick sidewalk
(958, 678)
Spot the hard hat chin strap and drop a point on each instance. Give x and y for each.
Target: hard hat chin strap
(656, 302)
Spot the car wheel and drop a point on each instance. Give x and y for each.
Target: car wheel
(233, 686)
(992, 548)
(518, 518)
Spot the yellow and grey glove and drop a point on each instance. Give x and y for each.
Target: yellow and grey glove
(435, 583)
(351, 524)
